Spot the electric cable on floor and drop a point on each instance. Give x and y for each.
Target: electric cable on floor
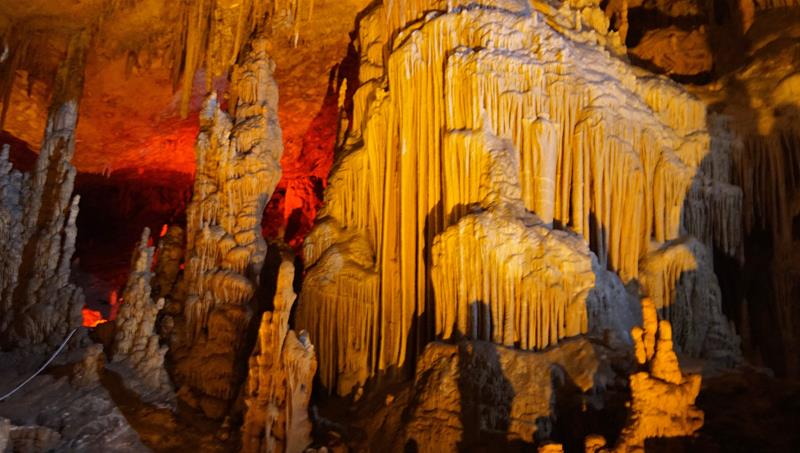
(60, 348)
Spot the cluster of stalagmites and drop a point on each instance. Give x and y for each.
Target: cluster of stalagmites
(38, 304)
(281, 372)
(238, 166)
(662, 397)
(475, 215)
(137, 354)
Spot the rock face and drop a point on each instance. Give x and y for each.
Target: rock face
(408, 247)
(237, 170)
(662, 397)
(279, 380)
(755, 112)
(137, 354)
(38, 304)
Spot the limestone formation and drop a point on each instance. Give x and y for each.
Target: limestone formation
(660, 47)
(215, 32)
(280, 376)
(38, 304)
(86, 372)
(500, 274)
(680, 281)
(617, 156)
(662, 397)
(138, 355)
(755, 116)
(238, 166)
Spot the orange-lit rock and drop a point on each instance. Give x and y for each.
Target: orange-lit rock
(487, 196)
(92, 318)
(662, 397)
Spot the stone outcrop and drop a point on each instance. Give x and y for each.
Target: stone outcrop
(67, 413)
(238, 166)
(38, 304)
(278, 388)
(611, 154)
(137, 354)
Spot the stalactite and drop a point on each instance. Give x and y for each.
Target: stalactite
(38, 304)
(137, 355)
(281, 372)
(610, 153)
(339, 302)
(214, 33)
(238, 167)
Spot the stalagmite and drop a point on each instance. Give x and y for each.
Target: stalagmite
(613, 154)
(38, 304)
(238, 166)
(662, 397)
(137, 355)
(280, 376)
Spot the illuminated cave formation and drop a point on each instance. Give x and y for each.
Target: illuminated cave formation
(403, 225)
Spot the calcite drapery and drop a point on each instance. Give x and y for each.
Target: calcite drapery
(238, 166)
(501, 274)
(280, 376)
(608, 152)
(38, 304)
(137, 354)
